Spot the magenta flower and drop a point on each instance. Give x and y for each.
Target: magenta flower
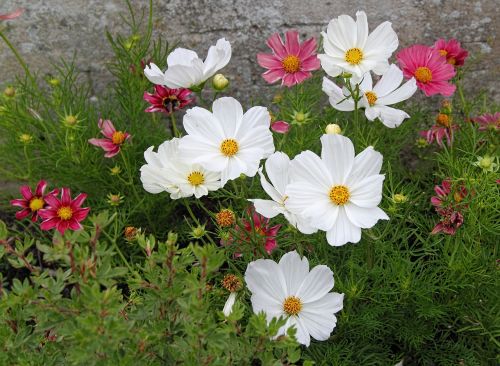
(8, 16)
(32, 203)
(262, 228)
(292, 62)
(450, 221)
(448, 204)
(429, 68)
(488, 121)
(167, 100)
(280, 127)
(451, 50)
(64, 213)
(113, 139)
(439, 133)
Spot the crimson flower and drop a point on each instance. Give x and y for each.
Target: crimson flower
(113, 138)
(64, 213)
(280, 127)
(32, 203)
(448, 203)
(452, 51)
(488, 121)
(167, 100)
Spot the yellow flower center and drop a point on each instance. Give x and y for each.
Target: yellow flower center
(452, 61)
(118, 137)
(196, 178)
(291, 64)
(65, 213)
(372, 97)
(25, 138)
(354, 56)
(339, 195)
(225, 218)
(292, 305)
(229, 147)
(443, 52)
(443, 120)
(36, 203)
(423, 74)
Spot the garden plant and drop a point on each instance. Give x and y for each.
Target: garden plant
(350, 216)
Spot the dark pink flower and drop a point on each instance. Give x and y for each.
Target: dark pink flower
(280, 127)
(64, 213)
(32, 203)
(8, 16)
(113, 139)
(291, 62)
(450, 221)
(488, 121)
(167, 100)
(439, 133)
(451, 50)
(448, 203)
(429, 68)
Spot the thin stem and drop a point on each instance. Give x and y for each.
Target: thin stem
(173, 126)
(18, 56)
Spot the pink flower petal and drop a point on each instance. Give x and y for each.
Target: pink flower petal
(52, 201)
(276, 44)
(280, 127)
(310, 64)
(77, 202)
(300, 76)
(23, 213)
(289, 80)
(8, 16)
(269, 61)
(107, 128)
(272, 76)
(26, 192)
(307, 48)
(62, 226)
(49, 224)
(65, 196)
(19, 203)
(292, 45)
(81, 213)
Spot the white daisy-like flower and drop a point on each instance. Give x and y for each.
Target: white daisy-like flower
(167, 171)
(290, 290)
(277, 169)
(349, 48)
(226, 140)
(375, 99)
(186, 70)
(338, 192)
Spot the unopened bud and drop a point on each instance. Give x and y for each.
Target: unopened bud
(333, 129)
(220, 82)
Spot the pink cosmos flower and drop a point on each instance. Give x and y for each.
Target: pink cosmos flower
(113, 138)
(32, 203)
(441, 130)
(167, 100)
(292, 62)
(8, 16)
(450, 221)
(448, 203)
(488, 121)
(280, 127)
(429, 68)
(451, 50)
(64, 213)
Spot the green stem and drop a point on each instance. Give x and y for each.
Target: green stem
(175, 130)
(18, 56)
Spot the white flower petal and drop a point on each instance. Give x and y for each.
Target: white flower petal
(264, 276)
(330, 65)
(302, 334)
(365, 218)
(366, 83)
(154, 74)
(316, 284)
(362, 29)
(308, 167)
(181, 56)
(277, 166)
(343, 231)
(202, 123)
(261, 301)
(218, 56)
(318, 317)
(183, 76)
(382, 42)
(366, 163)
(337, 153)
(391, 117)
(389, 81)
(402, 93)
(269, 189)
(336, 96)
(266, 208)
(367, 192)
(228, 306)
(229, 113)
(295, 271)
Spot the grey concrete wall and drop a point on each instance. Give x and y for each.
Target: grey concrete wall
(50, 29)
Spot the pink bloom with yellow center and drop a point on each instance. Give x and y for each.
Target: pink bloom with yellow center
(429, 68)
(113, 139)
(451, 50)
(64, 213)
(32, 203)
(167, 100)
(291, 62)
(488, 121)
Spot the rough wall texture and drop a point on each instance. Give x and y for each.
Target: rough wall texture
(50, 29)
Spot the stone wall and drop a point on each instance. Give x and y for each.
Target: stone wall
(50, 29)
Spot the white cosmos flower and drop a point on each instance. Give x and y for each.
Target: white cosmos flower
(337, 191)
(167, 171)
(375, 99)
(277, 169)
(288, 289)
(349, 48)
(185, 69)
(226, 140)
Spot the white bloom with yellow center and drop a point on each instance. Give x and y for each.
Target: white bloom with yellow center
(226, 140)
(349, 48)
(290, 290)
(277, 169)
(167, 171)
(186, 70)
(375, 99)
(338, 192)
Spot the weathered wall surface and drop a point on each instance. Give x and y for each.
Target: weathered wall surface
(50, 29)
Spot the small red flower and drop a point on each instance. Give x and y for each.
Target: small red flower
(280, 127)
(454, 53)
(167, 100)
(113, 139)
(64, 213)
(448, 203)
(439, 133)
(488, 121)
(450, 221)
(32, 203)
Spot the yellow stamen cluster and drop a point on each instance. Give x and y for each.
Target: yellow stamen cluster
(443, 52)
(225, 218)
(354, 56)
(36, 203)
(25, 138)
(423, 74)
(65, 213)
(443, 119)
(291, 64)
(339, 195)
(231, 283)
(196, 178)
(372, 97)
(229, 147)
(118, 137)
(292, 305)
(130, 233)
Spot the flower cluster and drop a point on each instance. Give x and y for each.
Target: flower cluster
(448, 203)
(62, 212)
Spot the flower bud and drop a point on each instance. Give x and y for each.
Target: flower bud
(399, 198)
(70, 120)
(333, 129)
(220, 82)
(198, 232)
(9, 92)
(25, 138)
(225, 218)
